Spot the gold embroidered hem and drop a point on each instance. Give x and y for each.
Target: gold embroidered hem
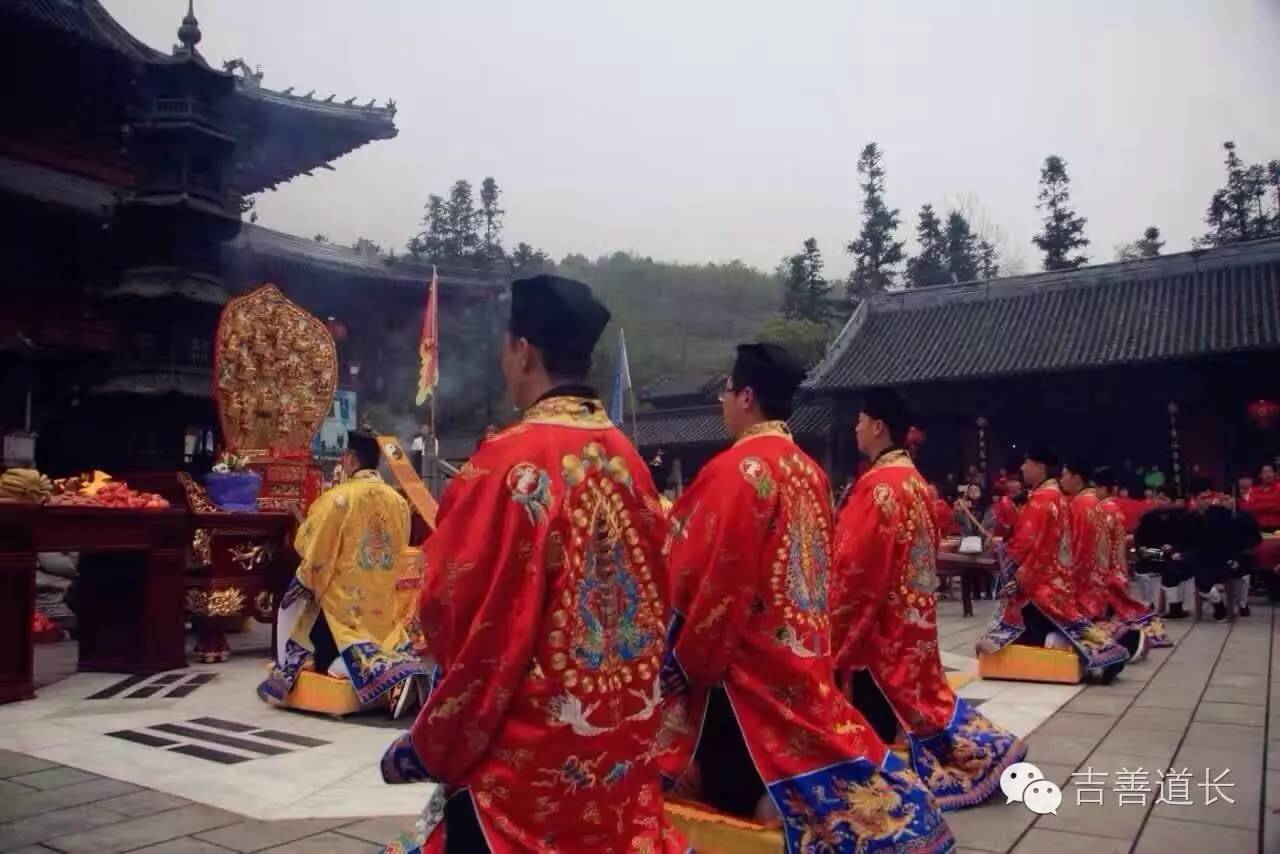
(765, 428)
(568, 411)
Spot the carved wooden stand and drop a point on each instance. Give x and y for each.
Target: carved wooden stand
(250, 562)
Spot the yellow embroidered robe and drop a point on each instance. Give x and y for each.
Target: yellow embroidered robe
(351, 546)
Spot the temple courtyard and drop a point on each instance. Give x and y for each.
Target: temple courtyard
(191, 761)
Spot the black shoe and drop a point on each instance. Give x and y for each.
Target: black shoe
(1219, 612)
(1111, 671)
(1132, 642)
(1244, 610)
(1176, 612)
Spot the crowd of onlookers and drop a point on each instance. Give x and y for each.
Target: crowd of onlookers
(968, 506)
(964, 503)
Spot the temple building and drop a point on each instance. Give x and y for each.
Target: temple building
(1171, 362)
(126, 174)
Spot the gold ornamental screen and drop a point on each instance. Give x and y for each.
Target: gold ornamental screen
(275, 369)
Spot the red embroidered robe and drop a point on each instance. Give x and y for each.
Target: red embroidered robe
(545, 606)
(1263, 501)
(884, 618)
(750, 556)
(1006, 514)
(1090, 553)
(1039, 555)
(1124, 608)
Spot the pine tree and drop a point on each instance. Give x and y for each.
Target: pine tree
(962, 253)
(1063, 230)
(875, 252)
(432, 240)
(929, 267)
(806, 292)
(491, 215)
(988, 260)
(461, 222)
(1242, 210)
(1147, 246)
(527, 261)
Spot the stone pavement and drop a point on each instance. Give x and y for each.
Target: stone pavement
(1208, 705)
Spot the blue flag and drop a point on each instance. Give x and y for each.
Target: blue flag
(621, 382)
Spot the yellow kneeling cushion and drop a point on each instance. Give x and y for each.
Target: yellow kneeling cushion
(319, 692)
(707, 830)
(1032, 664)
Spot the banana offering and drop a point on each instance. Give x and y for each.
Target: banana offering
(26, 485)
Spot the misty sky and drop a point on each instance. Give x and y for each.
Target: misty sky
(719, 129)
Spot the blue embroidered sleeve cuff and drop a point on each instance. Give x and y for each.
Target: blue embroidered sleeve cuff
(400, 763)
(672, 675)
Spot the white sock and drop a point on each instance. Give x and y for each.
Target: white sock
(1053, 640)
(1172, 595)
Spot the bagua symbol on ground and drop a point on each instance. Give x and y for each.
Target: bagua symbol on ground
(165, 684)
(217, 740)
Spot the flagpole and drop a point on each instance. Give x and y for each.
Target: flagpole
(434, 298)
(635, 427)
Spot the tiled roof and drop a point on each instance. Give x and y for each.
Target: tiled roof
(256, 246)
(681, 386)
(158, 384)
(53, 187)
(1175, 307)
(283, 135)
(705, 426)
(287, 135)
(83, 20)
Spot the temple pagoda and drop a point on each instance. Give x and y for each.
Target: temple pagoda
(125, 176)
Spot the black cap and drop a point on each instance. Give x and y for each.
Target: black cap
(1080, 467)
(1045, 455)
(1103, 476)
(559, 316)
(365, 447)
(886, 405)
(772, 373)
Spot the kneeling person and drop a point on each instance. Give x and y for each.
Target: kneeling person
(750, 672)
(338, 615)
(884, 620)
(545, 607)
(1037, 591)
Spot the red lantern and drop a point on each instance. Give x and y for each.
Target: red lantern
(1264, 413)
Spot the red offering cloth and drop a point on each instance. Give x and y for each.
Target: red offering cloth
(543, 606)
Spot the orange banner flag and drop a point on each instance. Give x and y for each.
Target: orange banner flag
(429, 345)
